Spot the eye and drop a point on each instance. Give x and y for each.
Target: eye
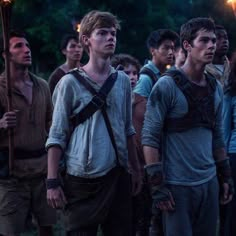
(214, 41)
(127, 72)
(205, 40)
(102, 32)
(113, 33)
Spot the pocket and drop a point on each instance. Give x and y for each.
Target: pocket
(9, 200)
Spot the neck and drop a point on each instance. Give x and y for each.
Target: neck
(219, 59)
(194, 71)
(71, 64)
(98, 66)
(19, 73)
(161, 67)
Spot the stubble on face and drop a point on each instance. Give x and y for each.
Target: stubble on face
(20, 53)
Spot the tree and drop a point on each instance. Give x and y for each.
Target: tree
(46, 23)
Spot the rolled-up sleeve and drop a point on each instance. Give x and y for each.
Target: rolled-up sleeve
(62, 101)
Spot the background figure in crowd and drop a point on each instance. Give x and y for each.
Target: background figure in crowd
(180, 56)
(229, 119)
(161, 45)
(73, 51)
(97, 185)
(24, 192)
(220, 67)
(141, 212)
(183, 140)
(129, 65)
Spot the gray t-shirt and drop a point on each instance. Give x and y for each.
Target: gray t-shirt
(187, 156)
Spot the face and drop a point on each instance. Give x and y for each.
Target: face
(179, 57)
(164, 54)
(203, 47)
(222, 42)
(132, 72)
(102, 41)
(20, 53)
(73, 51)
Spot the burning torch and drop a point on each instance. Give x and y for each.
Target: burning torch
(233, 4)
(5, 17)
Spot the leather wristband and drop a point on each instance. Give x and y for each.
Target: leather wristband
(154, 174)
(52, 183)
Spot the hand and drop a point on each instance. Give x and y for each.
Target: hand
(226, 195)
(56, 198)
(8, 120)
(163, 199)
(137, 183)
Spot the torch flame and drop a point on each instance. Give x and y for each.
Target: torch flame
(233, 4)
(5, 2)
(78, 27)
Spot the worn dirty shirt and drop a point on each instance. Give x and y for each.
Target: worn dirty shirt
(33, 122)
(88, 151)
(187, 156)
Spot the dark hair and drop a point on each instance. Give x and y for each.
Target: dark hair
(156, 37)
(13, 33)
(125, 60)
(232, 76)
(219, 27)
(66, 39)
(190, 29)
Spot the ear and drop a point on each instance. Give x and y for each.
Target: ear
(187, 46)
(151, 50)
(63, 51)
(85, 40)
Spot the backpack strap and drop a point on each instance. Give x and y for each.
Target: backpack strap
(98, 102)
(150, 73)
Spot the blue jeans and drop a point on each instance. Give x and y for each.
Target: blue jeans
(196, 210)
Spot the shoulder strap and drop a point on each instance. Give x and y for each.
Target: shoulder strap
(179, 77)
(98, 100)
(150, 73)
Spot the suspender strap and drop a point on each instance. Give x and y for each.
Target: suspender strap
(110, 132)
(99, 98)
(98, 102)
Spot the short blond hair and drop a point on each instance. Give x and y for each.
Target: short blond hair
(95, 20)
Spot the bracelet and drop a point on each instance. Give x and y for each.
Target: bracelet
(52, 183)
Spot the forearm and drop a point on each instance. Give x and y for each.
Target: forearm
(219, 154)
(133, 157)
(151, 155)
(54, 156)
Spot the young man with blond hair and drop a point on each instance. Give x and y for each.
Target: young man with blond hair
(97, 187)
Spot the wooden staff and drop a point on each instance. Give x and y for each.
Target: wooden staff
(5, 17)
